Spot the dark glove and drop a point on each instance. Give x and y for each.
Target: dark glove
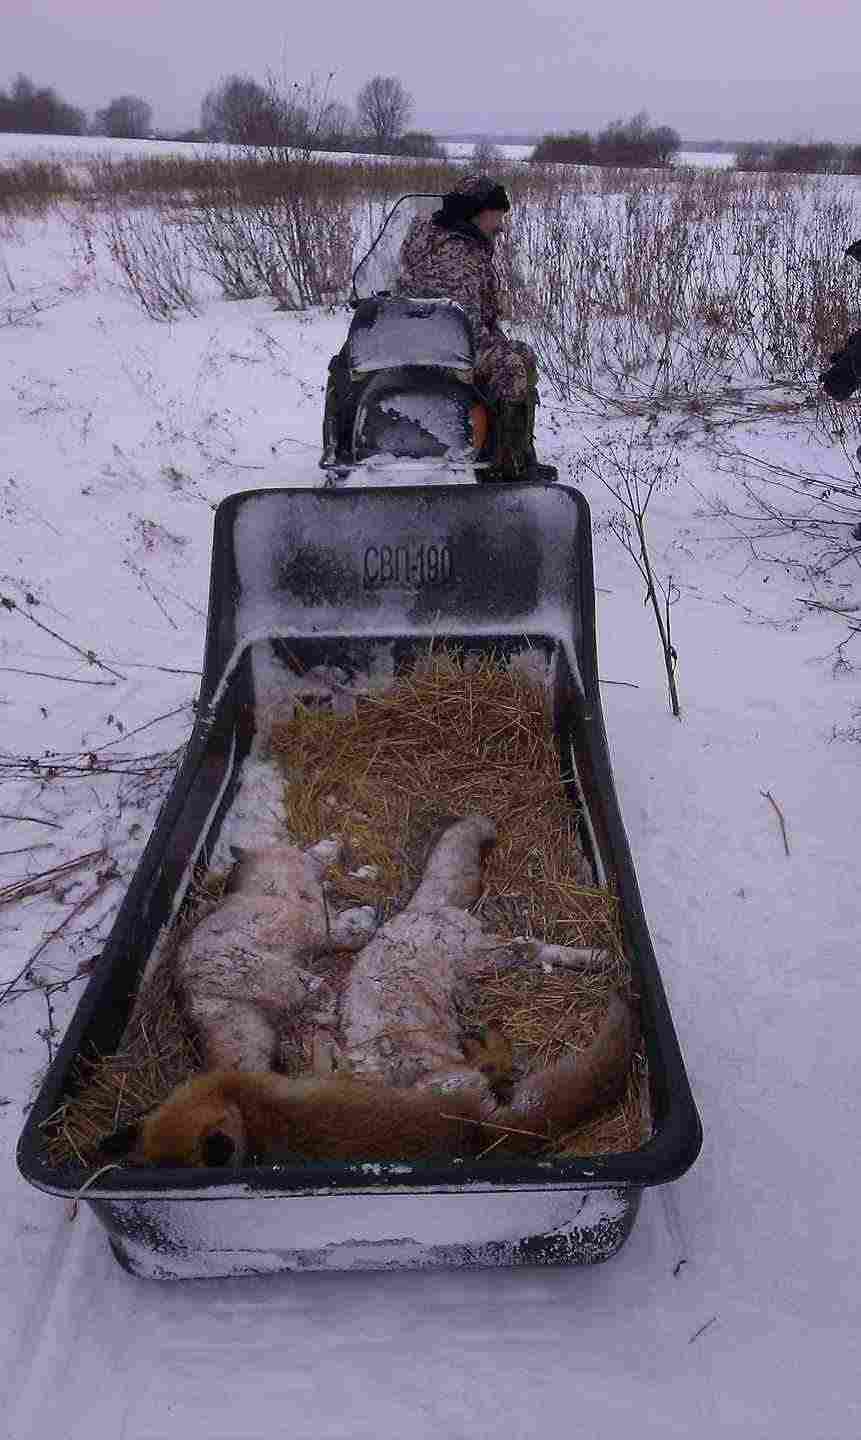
(851, 347)
(839, 382)
(843, 375)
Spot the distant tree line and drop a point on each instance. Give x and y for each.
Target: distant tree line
(624, 143)
(797, 158)
(27, 109)
(242, 111)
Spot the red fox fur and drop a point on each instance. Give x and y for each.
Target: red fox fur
(229, 1117)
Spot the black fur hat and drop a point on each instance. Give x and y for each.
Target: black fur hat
(474, 194)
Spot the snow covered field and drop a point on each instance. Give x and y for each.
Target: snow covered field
(70, 146)
(731, 1308)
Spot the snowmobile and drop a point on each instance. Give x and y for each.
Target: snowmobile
(402, 394)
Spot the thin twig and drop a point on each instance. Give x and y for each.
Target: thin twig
(34, 884)
(75, 911)
(51, 767)
(90, 655)
(41, 988)
(127, 734)
(500, 1140)
(43, 675)
(34, 820)
(845, 612)
(9, 991)
(702, 1330)
(165, 669)
(767, 795)
(48, 1032)
(489, 1125)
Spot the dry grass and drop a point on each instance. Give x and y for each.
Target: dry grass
(544, 1017)
(31, 187)
(156, 1052)
(448, 739)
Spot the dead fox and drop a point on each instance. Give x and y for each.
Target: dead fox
(245, 965)
(399, 1014)
(233, 1117)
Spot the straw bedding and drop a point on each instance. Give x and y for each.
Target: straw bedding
(453, 736)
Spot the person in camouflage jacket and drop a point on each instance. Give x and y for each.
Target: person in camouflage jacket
(450, 255)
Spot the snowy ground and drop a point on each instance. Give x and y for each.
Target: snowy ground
(118, 436)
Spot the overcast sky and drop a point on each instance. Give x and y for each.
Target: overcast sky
(735, 69)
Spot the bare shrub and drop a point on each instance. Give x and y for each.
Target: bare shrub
(293, 240)
(228, 246)
(679, 285)
(152, 255)
(420, 144)
(632, 477)
(315, 237)
(635, 142)
(754, 155)
(575, 148)
(810, 159)
(486, 155)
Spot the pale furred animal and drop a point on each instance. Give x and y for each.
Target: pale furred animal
(399, 1014)
(244, 966)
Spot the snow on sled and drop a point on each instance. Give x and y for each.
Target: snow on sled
(318, 597)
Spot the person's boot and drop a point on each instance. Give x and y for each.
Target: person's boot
(535, 470)
(510, 461)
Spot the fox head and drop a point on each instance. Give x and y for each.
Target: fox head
(279, 870)
(197, 1125)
